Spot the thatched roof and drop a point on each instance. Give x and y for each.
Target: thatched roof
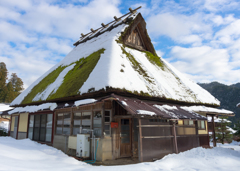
(107, 61)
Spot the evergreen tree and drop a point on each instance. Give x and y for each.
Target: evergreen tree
(237, 128)
(222, 132)
(9, 91)
(17, 84)
(10, 95)
(3, 79)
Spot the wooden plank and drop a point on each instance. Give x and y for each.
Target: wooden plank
(155, 126)
(71, 122)
(9, 132)
(214, 135)
(175, 137)
(140, 141)
(53, 125)
(158, 137)
(196, 128)
(103, 117)
(18, 125)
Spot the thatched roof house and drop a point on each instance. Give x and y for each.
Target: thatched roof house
(114, 85)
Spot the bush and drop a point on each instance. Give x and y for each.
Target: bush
(3, 132)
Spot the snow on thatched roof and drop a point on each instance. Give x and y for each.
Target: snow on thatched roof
(104, 61)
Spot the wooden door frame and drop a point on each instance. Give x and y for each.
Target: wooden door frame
(130, 136)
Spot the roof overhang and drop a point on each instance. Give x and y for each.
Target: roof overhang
(209, 110)
(138, 107)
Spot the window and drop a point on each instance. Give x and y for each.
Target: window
(201, 125)
(188, 122)
(76, 123)
(107, 119)
(40, 127)
(86, 122)
(30, 127)
(63, 123)
(97, 123)
(82, 120)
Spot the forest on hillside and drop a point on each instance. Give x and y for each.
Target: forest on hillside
(228, 95)
(9, 88)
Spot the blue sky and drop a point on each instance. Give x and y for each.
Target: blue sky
(200, 38)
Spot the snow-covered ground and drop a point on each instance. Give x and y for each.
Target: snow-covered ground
(29, 155)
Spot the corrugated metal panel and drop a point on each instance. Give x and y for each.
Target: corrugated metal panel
(133, 106)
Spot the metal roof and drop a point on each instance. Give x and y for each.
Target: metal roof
(163, 110)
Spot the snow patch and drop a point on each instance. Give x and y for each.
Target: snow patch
(167, 109)
(34, 108)
(85, 101)
(52, 88)
(145, 112)
(206, 109)
(124, 103)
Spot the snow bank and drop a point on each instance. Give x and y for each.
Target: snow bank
(28, 155)
(85, 101)
(32, 109)
(206, 109)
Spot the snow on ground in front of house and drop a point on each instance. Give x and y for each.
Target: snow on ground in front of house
(29, 155)
(233, 145)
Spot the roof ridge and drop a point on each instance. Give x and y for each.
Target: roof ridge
(104, 28)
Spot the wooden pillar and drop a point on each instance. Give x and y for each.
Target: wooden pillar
(71, 122)
(214, 135)
(140, 141)
(53, 125)
(103, 117)
(9, 132)
(175, 137)
(17, 126)
(197, 136)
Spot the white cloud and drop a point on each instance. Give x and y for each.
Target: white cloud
(181, 28)
(159, 53)
(220, 5)
(204, 63)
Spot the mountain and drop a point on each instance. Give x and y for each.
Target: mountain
(229, 96)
